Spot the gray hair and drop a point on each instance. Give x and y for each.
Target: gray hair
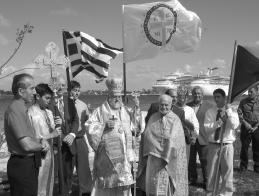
(197, 88)
(19, 82)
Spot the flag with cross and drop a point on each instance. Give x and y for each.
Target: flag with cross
(152, 28)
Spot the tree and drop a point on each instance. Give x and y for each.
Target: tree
(27, 28)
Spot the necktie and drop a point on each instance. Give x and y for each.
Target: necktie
(217, 132)
(61, 108)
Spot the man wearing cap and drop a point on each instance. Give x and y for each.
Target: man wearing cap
(110, 135)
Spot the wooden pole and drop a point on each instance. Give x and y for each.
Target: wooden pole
(216, 182)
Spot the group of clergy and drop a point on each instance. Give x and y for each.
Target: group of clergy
(112, 143)
(174, 132)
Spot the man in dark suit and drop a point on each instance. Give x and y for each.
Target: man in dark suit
(66, 116)
(200, 107)
(155, 106)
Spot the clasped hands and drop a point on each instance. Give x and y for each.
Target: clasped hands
(252, 129)
(69, 139)
(221, 120)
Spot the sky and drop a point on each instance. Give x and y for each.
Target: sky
(223, 22)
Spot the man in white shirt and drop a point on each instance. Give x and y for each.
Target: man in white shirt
(191, 122)
(84, 152)
(215, 117)
(200, 107)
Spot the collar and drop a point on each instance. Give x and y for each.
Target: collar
(222, 109)
(76, 100)
(23, 103)
(60, 98)
(197, 104)
(20, 100)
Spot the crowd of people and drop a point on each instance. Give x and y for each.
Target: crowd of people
(50, 133)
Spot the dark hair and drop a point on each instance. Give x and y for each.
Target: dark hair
(219, 91)
(75, 84)
(167, 92)
(43, 89)
(18, 82)
(196, 88)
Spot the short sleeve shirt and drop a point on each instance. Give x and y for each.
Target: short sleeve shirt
(17, 126)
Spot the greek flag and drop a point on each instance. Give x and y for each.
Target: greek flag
(87, 53)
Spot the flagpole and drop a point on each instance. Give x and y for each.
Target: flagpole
(68, 70)
(233, 68)
(60, 162)
(124, 64)
(216, 182)
(125, 99)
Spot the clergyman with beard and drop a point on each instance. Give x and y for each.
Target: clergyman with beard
(110, 135)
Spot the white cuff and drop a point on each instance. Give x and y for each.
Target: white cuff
(74, 135)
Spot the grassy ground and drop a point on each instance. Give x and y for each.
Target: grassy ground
(246, 183)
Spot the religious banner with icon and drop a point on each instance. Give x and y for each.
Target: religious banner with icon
(156, 27)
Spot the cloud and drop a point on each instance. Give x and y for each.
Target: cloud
(4, 22)
(143, 71)
(3, 40)
(220, 63)
(188, 68)
(257, 42)
(30, 68)
(64, 12)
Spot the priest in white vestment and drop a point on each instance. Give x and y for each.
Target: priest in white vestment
(163, 164)
(110, 134)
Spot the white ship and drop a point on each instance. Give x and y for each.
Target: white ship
(207, 82)
(162, 84)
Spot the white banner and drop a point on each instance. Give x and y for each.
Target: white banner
(157, 27)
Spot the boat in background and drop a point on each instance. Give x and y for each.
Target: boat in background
(207, 81)
(165, 83)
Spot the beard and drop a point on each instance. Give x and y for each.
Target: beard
(115, 104)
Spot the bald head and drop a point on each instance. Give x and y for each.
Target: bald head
(165, 104)
(164, 97)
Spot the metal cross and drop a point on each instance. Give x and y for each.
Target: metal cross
(52, 61)
(161, 24)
